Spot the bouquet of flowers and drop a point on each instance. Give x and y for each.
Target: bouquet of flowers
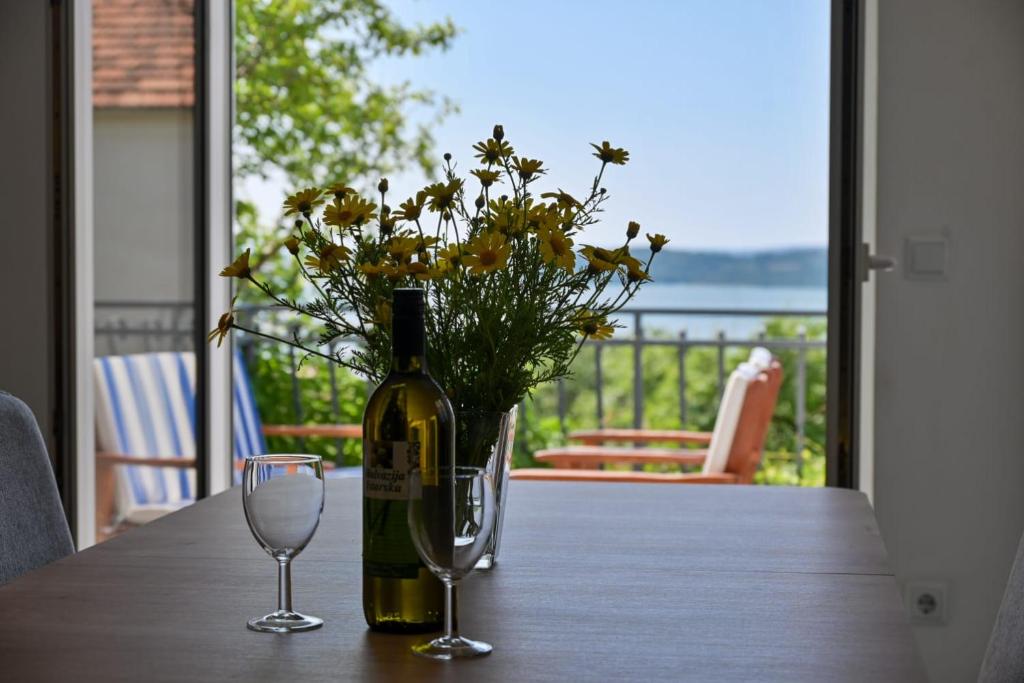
(512, 290)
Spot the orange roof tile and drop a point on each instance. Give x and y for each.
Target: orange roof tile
(143, 53)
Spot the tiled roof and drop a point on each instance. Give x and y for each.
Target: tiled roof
(142, 53)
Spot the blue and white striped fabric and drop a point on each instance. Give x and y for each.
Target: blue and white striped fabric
(145, 407)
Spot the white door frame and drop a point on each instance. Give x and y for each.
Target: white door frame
(869, 192)
(82, 200)
(219, 81)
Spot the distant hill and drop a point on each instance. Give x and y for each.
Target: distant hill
(796, 267)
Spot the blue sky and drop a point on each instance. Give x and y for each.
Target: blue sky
(723, 105)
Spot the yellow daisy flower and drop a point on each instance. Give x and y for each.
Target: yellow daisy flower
(331, 257)
(527, 168)
(411, 208)
(636, 273)
(564, 199)
(486, 252)
(402, 247)
(442, 195)
(486, 177)
(600, 260)
(609, 154)
(452, 254)
(339, 190)
(352, 210)
(373, 270)
(303, 201)
(556, 248)
(417, 267)
(492, 151)
(594, 325)
(239, 267)
(657, 242)
(507, 223)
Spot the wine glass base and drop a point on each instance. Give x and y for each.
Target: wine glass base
(284, 622)
(452, 648)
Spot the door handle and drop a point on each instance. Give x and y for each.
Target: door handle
(871, 262)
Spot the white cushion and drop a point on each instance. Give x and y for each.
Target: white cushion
(728, 418)
(760, 357)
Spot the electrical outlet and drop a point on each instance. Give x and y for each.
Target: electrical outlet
(926, 602)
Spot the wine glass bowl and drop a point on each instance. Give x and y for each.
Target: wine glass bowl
(283, 496)
(451, 519)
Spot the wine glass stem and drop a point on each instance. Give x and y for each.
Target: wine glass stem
(449, 611)
(284, 586)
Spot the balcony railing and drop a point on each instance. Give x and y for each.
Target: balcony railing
(129, 327)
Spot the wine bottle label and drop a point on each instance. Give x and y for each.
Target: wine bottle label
(386, 475)
(389, 552)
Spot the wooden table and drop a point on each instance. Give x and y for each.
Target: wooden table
(599, 582)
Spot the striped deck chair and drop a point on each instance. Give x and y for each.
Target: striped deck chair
(145, 434)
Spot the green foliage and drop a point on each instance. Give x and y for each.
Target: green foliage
(305, 104)
(270, 371)
(538, 424)
(307, 109)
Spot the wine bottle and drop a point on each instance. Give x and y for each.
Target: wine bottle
(408, 422)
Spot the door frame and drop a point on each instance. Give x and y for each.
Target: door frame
(843, 394)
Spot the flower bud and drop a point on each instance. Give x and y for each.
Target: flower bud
(385, 209)
(632, 230)
(382, 186)
(480, 202)
(499, 133)
(292, 244)
(298, 223)
(447, 156)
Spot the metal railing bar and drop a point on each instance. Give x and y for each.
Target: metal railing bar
(801, 400)
(332, 370)
(296, 396)
(599, 384)
(629, 310)
(638, 370)
(682, 379)
(562, 405)
(721, 364)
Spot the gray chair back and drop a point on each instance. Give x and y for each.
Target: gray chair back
(33, 529)
(1004, 660)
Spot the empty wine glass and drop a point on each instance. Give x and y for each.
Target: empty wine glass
(451, 519)
(283, 496)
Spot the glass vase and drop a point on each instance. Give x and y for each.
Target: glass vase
(484, 439)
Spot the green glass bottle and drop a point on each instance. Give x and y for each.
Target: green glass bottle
(407, 418)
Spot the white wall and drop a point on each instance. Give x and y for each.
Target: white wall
(144, 215)
(26, 283)
(949, 447)
(144, 222)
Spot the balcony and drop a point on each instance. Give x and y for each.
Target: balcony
(665, 370)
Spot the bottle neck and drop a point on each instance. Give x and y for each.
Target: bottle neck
(408, 344)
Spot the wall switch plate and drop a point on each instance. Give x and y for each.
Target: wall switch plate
(926, 257)
(926, 601)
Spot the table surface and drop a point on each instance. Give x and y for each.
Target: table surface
(595, 582)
